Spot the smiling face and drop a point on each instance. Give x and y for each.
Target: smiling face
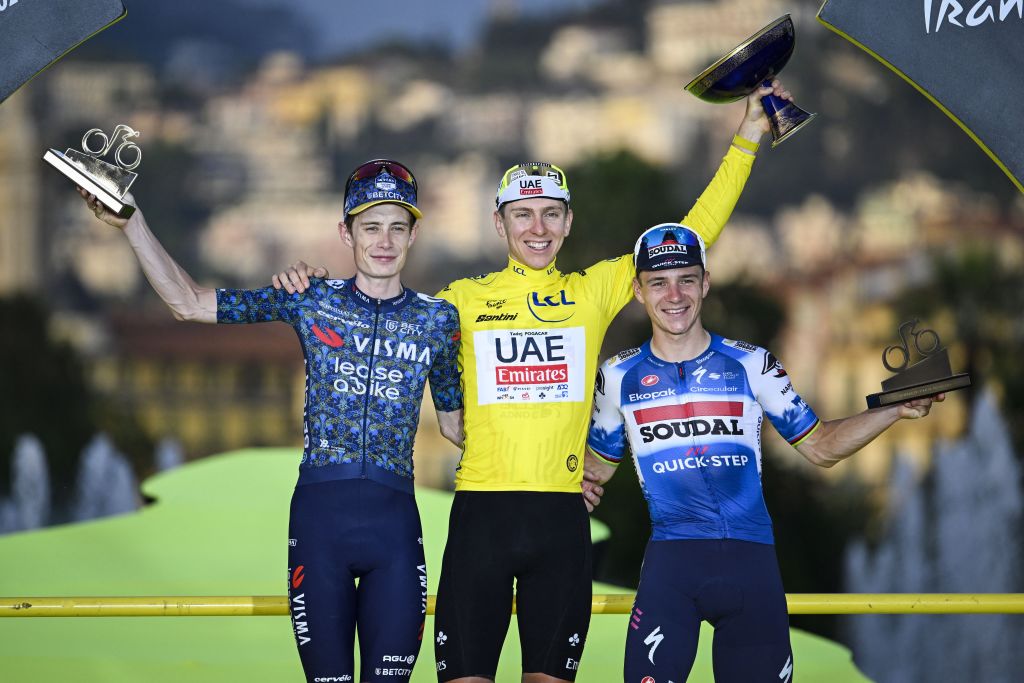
(534, 229)
(380, 238)
(673, 298)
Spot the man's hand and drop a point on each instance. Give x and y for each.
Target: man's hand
(296, 277)
(592, 489)
(755, 121)
(918, 408)
(102, 212)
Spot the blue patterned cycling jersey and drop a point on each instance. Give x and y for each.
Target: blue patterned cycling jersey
(695, 432)
(367, 361)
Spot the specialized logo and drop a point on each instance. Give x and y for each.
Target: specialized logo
(496, 318)
(772, 364)
(542, 308)
(701, 371)
(653, 639)
(328, 336)
(787, 670)
(572, 462)
(649, 380)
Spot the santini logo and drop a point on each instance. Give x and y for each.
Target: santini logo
(950, 11)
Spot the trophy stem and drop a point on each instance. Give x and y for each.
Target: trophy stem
(784, 117)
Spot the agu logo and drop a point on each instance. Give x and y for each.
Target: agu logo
(649, 380)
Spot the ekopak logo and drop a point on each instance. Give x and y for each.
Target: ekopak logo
(649, 380)
(328, 336)
(298, 577)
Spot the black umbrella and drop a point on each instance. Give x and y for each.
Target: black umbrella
(36, 33)
(967, 57)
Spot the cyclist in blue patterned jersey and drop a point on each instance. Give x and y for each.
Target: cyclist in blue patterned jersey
(370, 344)
(690, 405)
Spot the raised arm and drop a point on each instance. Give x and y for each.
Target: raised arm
(186, 299)
(712, 209)
(836, 440)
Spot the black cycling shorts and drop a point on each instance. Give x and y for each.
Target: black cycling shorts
(355, 560)
(539, 541)
(733, 585)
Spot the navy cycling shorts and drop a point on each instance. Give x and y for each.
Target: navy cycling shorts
(733, 585)
(345, 530)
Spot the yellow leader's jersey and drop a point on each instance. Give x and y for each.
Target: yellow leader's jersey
(529, 355)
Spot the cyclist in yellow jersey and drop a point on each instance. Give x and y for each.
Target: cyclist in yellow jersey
(530, 342)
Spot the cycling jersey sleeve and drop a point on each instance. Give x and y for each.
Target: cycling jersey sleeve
(789, 414)
(445, 378)
(607, 437)
(712, 209)
(609, 284)
(256, 305)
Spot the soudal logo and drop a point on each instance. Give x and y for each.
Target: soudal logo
(328, 336)
(686, 428)
(387, 347)
(650, 380)
(667, 249)
(496, 318)
(651, 395)
(531, 374)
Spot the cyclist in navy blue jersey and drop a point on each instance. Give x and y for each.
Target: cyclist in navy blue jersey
(690, 406)
(355, 552)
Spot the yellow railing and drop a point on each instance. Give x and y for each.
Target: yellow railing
(272, 605)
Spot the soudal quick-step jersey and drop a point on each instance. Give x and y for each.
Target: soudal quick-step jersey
(366, 364)
(529, 354)
(694, 429)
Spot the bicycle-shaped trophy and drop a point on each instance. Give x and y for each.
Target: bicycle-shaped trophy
(86, 169)
(929, 376)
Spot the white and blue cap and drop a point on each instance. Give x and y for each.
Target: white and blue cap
(668, 245)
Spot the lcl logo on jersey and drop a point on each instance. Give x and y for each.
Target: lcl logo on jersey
(548, 309)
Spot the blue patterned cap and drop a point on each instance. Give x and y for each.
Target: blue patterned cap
(669, 245)
(383, 187)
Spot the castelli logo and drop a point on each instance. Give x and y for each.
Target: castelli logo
(298, 577)
(647, 679)
(649, 381)
(328, 336)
